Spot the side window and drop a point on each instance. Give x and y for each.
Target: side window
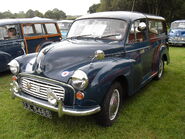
(135, 34)
(39, 29)
(9, 32)
(28, 30)
(156, 28)
(51, 28)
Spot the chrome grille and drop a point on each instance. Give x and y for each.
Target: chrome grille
(39, 88)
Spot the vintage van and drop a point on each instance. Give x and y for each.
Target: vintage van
(23, 36)
(105, 57)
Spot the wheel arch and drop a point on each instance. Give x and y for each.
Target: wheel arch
(124, 83)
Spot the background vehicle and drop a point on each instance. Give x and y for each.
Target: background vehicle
(177, 33)
(64, 26)
(20, 36)
(105, 57)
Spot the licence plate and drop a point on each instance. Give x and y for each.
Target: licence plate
(38, 110)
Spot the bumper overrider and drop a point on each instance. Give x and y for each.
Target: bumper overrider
(60, 108)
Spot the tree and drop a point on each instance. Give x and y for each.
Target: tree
(8, 14)
(38, 14)
(55, 14)
(21, 14)
(171, 9)
(93, 8)
(30, 13)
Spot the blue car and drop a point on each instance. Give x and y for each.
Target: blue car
(105, 57)
(64, 26)
(177, 33)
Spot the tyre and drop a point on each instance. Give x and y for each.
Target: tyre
(160, 69)
(111, 105)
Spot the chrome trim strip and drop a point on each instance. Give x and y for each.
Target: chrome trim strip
(138, 49)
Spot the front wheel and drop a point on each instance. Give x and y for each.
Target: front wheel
(111, 105)
(160, 69)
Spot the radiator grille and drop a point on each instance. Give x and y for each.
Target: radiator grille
(38, 88)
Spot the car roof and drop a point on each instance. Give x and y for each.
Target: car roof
(25, 20)
(179, 21)
(68, 21)
(124, 15)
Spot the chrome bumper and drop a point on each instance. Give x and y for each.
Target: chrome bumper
(60, 108)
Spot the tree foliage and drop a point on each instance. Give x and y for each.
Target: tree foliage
(170, 9)
(53, 14)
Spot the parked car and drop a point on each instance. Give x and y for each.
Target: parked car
(20, 36)
(177, 33)
(64, 26)
(105, 56)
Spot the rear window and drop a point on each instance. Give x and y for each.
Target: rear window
(51, 28)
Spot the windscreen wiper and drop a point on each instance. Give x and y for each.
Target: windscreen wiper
(110, 35)
(78, 36)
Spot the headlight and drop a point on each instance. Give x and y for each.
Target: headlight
(14, 66)
(79, 80)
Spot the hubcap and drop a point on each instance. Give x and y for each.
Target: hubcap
(160, 68)
(114, 104)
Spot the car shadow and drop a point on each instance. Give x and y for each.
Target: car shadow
(5, 73)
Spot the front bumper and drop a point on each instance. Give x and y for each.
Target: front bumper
(177, 41)
(60, 108)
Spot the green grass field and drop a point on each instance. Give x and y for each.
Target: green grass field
(157, 111)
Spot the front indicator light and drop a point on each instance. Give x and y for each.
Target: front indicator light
(79, 95)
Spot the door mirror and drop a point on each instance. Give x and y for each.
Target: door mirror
(142, 26)
(99, 54)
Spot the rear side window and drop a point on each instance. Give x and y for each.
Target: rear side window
(39, 29)
(51, 28)
(33, 29)
(156, 28)
(28, 29)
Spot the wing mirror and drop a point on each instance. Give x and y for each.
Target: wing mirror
(99, 54)
(142, 26)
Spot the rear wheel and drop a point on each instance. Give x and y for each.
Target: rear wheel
(111, 105)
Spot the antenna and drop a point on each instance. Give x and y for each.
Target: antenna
(133, 5)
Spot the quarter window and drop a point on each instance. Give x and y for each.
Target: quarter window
(156, 28)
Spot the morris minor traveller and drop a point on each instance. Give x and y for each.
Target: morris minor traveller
(23, 36)
(177, 33)
(105, 57)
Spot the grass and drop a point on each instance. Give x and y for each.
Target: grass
(157, 111)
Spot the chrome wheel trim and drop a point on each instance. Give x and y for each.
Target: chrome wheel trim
(161, 68)
(114, 104)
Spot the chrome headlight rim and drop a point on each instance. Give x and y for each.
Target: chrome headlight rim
(14, 66)
(79, 80)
